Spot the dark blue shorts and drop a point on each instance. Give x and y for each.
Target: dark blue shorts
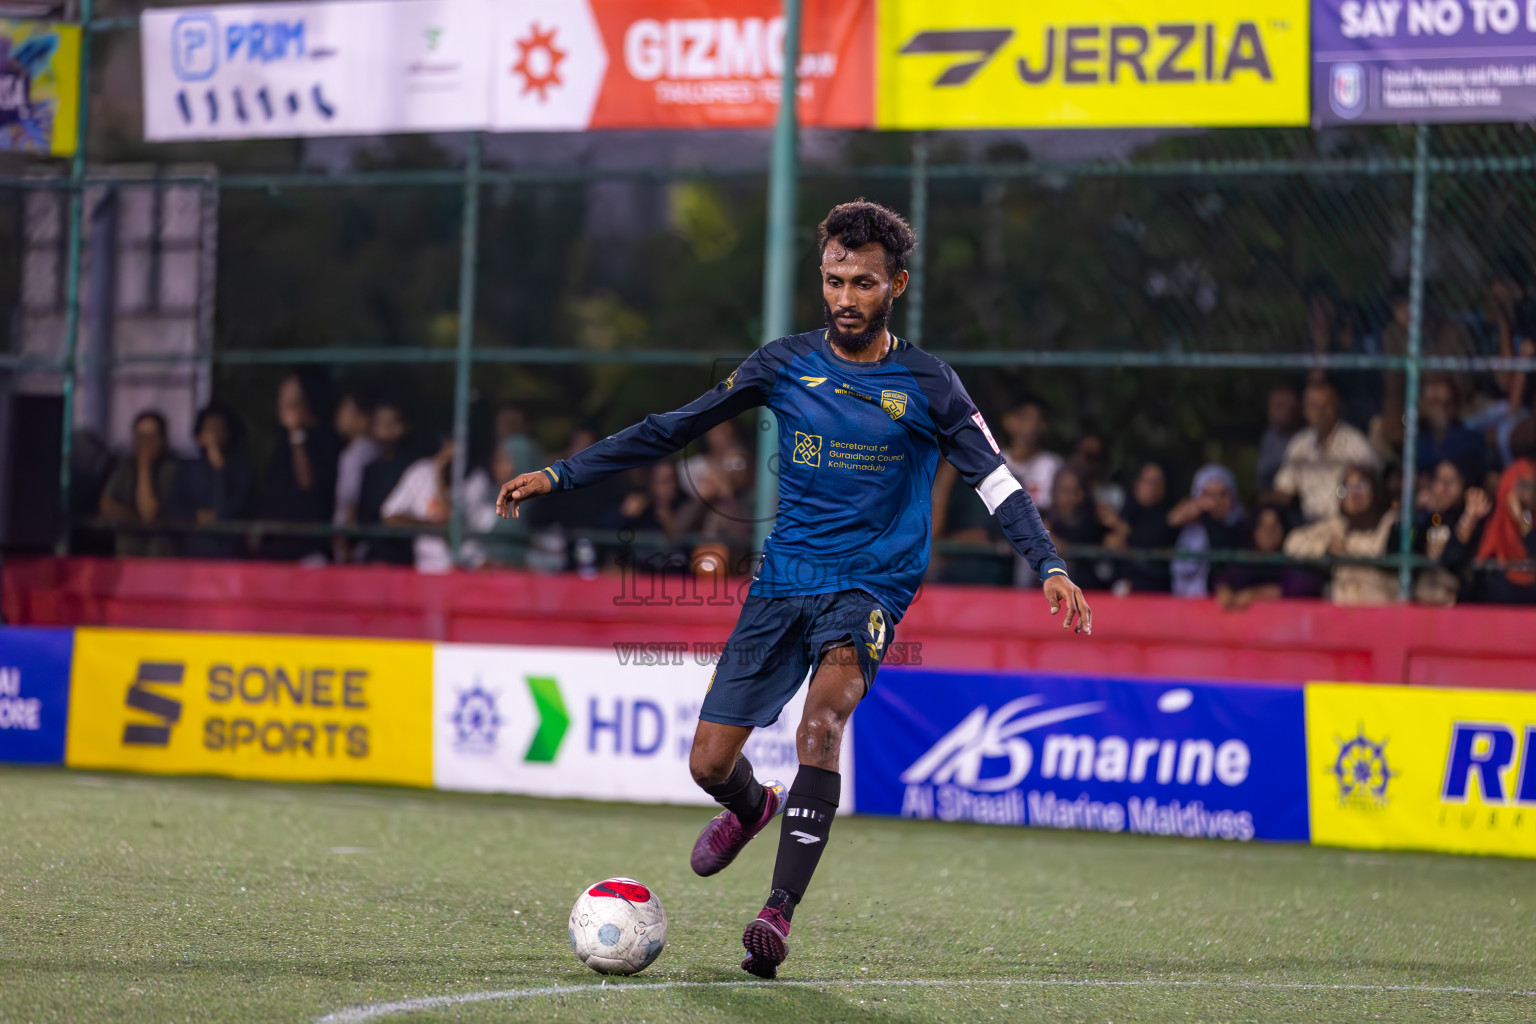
(777, 640)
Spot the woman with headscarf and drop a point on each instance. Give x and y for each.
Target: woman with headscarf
(1362, 528)
(1509, 538)
(1210, 519)
(1148, 529)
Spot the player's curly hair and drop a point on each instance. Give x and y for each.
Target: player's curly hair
(860, 222)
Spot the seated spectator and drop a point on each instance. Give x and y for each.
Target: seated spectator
(141, 489)
(960, 516)
(301, 478)
(1210, 519)
(219, 486)
(1441, 434)
(1074, 521)
(1089, 457)
(1025, 424)
(513, 441)
(724, 456)
(1239, 585)
(391, 432)
(1441, 501)
(1284, 423)
(1147, 528)
(354, 422)
(1317, 457)
(1362, 527)
(659, 507)
(424, 497)
(1508, 539)
(1441, 336)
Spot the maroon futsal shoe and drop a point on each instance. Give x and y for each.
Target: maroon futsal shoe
(725, 836)
(766, 941)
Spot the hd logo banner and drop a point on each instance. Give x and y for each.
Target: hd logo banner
(614, 724)
(1108, 63)
(261, 707)
(1078, 752)
(1415, 768)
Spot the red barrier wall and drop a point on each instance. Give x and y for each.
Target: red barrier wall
(957, 626)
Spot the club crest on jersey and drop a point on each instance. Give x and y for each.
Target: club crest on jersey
(807, 449)
(894, 403)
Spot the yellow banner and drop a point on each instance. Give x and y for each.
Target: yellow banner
(260, 707)
(1104, 63)
(39, 87)
(1412, 768)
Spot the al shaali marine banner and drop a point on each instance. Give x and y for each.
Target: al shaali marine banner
(39, 87)
(1105, 63)
(251, 706)
(1406, 767)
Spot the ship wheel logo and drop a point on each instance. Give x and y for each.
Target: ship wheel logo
(539, 61)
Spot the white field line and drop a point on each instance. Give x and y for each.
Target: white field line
(374, 1011)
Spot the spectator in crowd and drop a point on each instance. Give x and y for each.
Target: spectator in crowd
(301, 477)
(140, 490)
(960, 517)
(1090, 460)
(659, 507)
(425, 496)
(391, 432)
(1284, 423)
(354, 423)
(1147, 528)
(1508, 538)
(1441, 500)
(1441, 434)
(1361, 527)
(513, 442)
(724, 458)
(1318, 456)
(1025, 424)
(583, 510)
(1074, 521)
(1239, 585)
(1442, 336)
(219, 486)
(1210, 519)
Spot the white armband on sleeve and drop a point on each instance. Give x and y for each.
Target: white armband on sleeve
(994, 490)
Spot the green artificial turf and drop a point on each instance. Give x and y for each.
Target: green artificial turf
(144, 899)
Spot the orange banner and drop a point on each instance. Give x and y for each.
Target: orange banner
(578, 64)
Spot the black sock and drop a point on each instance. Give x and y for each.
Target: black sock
(741, 793)
(808, 814)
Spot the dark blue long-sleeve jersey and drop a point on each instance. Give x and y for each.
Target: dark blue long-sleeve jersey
(858, 447)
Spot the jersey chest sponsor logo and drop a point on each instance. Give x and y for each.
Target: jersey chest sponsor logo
(807, 449)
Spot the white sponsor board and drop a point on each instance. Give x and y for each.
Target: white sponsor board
(586, 723)
(295, 69)
(549, 65)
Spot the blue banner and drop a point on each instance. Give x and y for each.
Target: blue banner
(34, 693)
(1111, 755)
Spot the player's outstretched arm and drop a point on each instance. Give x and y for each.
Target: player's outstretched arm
(519, 489)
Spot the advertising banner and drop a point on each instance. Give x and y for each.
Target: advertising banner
(595, 724)
(1390, 61)
(1415, 768)
(259, 707)
(1105, 755)
(39, 87)
(577, 64)
(295, 69)
(34, 693)
(1103, 63)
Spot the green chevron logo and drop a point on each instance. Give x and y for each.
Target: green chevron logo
(553, 719)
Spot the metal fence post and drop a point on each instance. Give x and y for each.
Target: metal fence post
(469, 261)
(917, 266)
(779, 261)
(1415, 353)
(72, 275)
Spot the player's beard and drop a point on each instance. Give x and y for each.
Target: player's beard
(858, 341)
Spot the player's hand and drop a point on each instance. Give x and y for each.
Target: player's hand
(1061, 591)
(519, 489)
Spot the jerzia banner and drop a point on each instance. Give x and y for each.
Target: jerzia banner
(1106, 755)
